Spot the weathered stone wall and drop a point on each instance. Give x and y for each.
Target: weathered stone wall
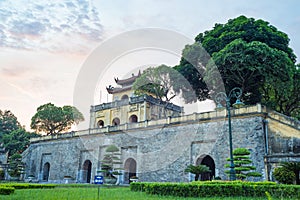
(283, 141)
(162, 152)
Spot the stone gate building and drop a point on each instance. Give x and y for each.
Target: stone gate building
(157, 142)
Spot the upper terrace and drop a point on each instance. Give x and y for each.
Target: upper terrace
(135, 100)
(169, 121)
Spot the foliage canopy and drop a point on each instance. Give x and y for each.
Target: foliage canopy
(52, 120)
(197, 170)
(246, 53)
(163, 82)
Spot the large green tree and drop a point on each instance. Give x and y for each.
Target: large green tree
(51, 119)
(8, 123)
(17, 141)
(163, 82)
(247, 29)
(284, 96)
(250, 66)
(247, 53)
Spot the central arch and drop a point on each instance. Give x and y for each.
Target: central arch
(133, 119)
(46, 171)
(125, 96)
(116, 121)
(87, 171)
(130, 169)
(208, 161)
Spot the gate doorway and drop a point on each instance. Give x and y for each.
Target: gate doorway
(208, 161)
(87, 171)
(46, 171)
(130, 169)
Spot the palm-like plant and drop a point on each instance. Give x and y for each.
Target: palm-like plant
(294, 167)
(197, 170)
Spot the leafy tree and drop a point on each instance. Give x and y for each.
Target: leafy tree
(8, 123)
(284, 97)
(163, 82)
(250, 66)
(242, 161)
(192, 66)
(110, 160)
(247, 29)
(197, 170)
(283, 175)
(247, 53)
(17, 141)
(52, 120)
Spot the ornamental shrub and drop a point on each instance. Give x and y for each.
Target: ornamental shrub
(2, 174)
(218, 189)
(282, 175)
(242, 163)
(6, 190)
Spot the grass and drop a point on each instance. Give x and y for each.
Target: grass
(91, 193)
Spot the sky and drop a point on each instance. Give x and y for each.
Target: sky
(45, 46)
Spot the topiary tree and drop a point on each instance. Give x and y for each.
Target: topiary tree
(110, 160)
(15, 165)
(197, 170)
(242, 163)
(283, 175)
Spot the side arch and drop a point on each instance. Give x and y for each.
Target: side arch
(100, 124)
(129, 169)
(46, 171)
(87, 171)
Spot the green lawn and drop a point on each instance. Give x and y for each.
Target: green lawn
(90, 193)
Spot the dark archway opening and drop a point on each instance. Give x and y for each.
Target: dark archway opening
(208, 161)
(125, 96)
(100, 123)
(87, 171)
(133, 119)
(130, 169)
(46, 171)
(116, 121)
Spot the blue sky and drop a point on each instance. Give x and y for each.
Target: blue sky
(43, 44)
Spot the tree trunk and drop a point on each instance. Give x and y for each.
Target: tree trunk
(196, 177)
(297, 177)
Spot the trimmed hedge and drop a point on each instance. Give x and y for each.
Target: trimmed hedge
(27, 185)
(6, 190)
(218, 189)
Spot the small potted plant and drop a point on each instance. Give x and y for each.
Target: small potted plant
(30, 178)
(134, 179)
(67, 179)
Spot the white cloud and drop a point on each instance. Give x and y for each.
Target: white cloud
(47, 25)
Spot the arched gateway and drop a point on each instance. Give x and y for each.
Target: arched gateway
(208, 161)
(87, 171)
(46, 171)
(130, 169)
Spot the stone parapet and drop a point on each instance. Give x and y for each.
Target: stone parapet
(195, 117)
